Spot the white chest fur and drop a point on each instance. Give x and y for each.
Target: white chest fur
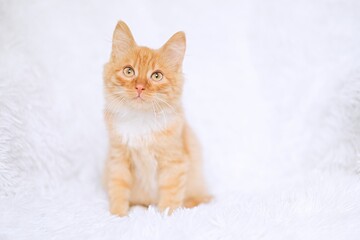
(136, 127)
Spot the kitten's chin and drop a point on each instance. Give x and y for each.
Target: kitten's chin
(140, 103)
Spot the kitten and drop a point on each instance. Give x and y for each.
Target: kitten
(154, 157)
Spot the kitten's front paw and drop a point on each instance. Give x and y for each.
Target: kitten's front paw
(194, 201)
(168, 208)
(119, 208)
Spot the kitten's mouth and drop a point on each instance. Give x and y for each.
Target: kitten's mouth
(139, 99)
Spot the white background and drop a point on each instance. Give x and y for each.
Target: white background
(272, 90)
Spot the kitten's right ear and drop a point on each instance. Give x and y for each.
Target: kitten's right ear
(174, 49)
(123, 40)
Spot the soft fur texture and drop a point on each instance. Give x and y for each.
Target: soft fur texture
(270, 87)
(154, 157)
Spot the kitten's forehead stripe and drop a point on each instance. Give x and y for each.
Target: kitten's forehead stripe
(145, 61)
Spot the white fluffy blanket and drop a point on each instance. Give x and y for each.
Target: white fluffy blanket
(272, 89)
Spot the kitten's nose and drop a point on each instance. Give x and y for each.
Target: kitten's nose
(139, 88)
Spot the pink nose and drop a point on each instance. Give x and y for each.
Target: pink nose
(139, 88)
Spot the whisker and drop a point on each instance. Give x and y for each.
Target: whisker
(169, 105)
(162, 112)
(153, 107)
(111, 107)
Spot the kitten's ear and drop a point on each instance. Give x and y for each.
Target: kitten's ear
(123, 40)
(174, 50)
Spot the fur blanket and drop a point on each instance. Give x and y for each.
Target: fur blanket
(272, 89)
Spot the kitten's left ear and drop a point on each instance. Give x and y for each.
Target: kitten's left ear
(123, 40)
(174, 50)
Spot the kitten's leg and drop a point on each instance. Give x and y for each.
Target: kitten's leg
(172, 178)
(196, 190)
(119, 180)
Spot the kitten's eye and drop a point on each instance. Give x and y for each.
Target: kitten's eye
(129, 72)
(156, 76)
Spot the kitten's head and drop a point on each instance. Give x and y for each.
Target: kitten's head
(144, 78)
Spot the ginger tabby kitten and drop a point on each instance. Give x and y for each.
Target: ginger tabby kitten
(154, 157)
